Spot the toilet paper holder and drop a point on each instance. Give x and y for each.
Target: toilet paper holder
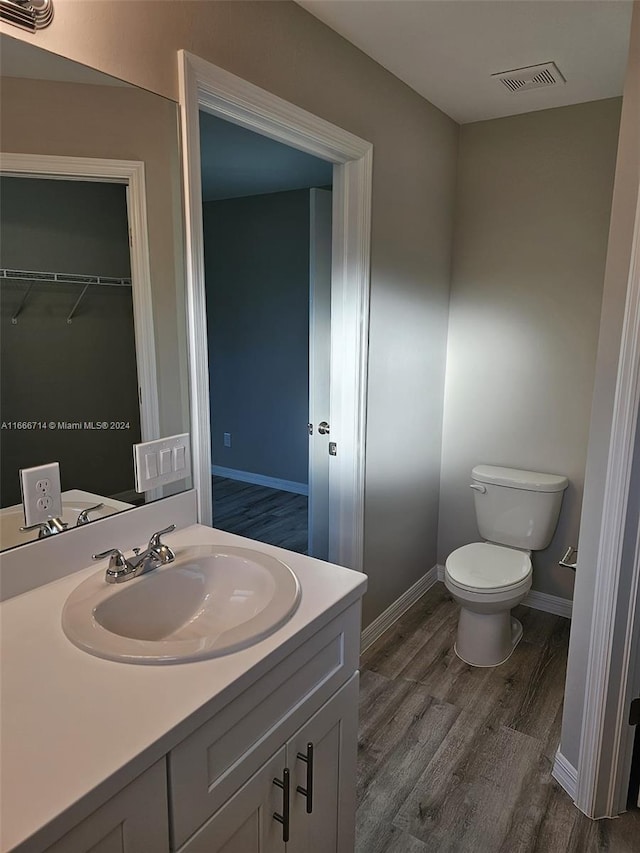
(570, 553)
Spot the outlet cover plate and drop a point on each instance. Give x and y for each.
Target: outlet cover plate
(41, 493)
(162, 461)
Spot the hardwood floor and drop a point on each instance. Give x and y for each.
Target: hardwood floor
(267, 515)
(457, 759)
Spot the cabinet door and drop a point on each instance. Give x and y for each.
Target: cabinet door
(245, 823)
(133, 820)
(331, 736)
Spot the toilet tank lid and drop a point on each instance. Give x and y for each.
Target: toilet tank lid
(515, 478)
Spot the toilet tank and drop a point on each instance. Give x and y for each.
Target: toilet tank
(517, 508)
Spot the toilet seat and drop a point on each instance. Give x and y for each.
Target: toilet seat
(483, 567)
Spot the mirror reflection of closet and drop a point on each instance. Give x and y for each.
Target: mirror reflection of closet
(70, 353)
(67, 351)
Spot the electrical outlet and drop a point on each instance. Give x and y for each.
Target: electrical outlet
(227, 439)
(41, 494)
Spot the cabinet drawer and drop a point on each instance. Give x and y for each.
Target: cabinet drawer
(212, 763)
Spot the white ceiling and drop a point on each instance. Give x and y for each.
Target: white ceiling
(447, 49)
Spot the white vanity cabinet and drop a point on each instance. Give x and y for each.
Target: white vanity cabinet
(132, 821)
(207, 739)
(247, 823)
(300, 717)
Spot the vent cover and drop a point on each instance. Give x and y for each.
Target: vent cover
(531, 77)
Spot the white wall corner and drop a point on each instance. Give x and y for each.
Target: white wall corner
(399, 607)
(565, 774)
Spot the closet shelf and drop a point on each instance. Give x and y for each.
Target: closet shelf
(33, 276)
(63, 277)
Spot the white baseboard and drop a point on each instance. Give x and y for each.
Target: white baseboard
(538, 600)
(400, 606)
(566, 774)
(261, 480)
(549, 603)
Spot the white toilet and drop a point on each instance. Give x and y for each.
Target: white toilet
(517, 513)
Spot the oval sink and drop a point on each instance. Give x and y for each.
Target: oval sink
(210, 601)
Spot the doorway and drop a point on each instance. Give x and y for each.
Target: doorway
(205, 87)
(267, 253)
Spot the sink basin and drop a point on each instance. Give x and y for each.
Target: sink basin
(210, 601)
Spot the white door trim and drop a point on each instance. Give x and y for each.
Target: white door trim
(205, 86)
(131, 174)
(606, 741)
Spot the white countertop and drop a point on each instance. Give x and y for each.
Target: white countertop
(74, 729)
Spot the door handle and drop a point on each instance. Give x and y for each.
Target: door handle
(323, 428)
(284, 818)
(308, 791)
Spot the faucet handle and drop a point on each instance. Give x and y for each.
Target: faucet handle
(163, 551)
(47, 528)
(117, 561)
(118, 568)
(83, 517)
(154, 542)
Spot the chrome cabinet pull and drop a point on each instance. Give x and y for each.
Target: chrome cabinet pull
(308, 791)
(284, 817)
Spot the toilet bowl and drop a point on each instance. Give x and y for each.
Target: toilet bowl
(487, 581)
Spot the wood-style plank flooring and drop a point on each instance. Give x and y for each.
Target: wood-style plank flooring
(457, 759)
(260, 513)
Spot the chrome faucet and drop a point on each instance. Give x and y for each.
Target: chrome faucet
(47, 528)
(121, 569)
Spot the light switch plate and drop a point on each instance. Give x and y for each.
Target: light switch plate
(162, 461)
(41, 493)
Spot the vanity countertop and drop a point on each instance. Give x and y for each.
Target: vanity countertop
(75, 729)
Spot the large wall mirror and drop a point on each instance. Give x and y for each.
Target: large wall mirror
(93, 335)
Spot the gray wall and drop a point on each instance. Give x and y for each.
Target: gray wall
(54, 371)
(79, 120)
(257, 280)
(533, 204)
(285, 50)
(625, 199)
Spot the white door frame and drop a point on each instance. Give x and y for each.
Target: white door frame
(216, 91)
(606, 739)
(131, 174)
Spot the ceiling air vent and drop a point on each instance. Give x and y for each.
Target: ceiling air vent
(531, 77)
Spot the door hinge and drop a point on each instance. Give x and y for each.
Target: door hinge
(634, 712)
(333, 448)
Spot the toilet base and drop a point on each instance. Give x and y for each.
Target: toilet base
(486, 639)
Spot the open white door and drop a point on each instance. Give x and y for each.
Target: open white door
(319, 370)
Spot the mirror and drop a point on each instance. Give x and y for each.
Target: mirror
(93, 336)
